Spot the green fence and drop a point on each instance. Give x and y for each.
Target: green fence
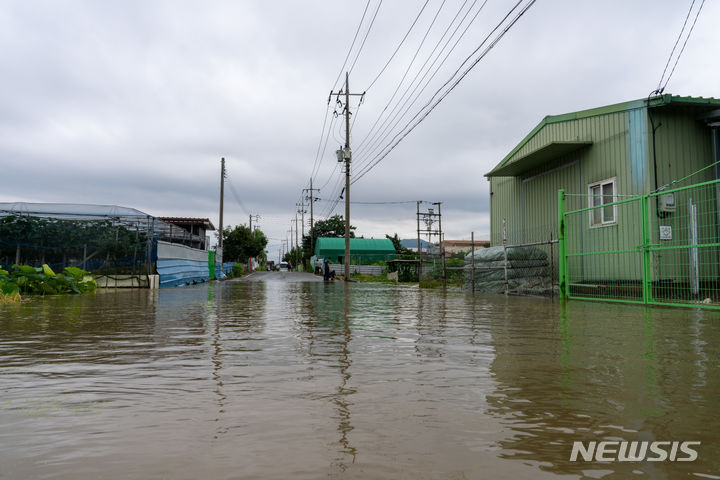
(661, 248)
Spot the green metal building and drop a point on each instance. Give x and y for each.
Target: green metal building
(604, 155)
(362, 250)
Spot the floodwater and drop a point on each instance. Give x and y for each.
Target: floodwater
(277, 380)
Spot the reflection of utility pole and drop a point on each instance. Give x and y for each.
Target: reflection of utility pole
(346, 155)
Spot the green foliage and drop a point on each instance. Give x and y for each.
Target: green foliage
(55, 240)
(25, 279)
(399, 249)
(237, 271)
(240, 244)
(430, 283)
(294, 256)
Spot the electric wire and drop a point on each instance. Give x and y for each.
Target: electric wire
(407, 70)
(351, 45)
(382, 70)
(433, 102)
(235, 194)
(381, 134)
(684, 44)
(372, 22)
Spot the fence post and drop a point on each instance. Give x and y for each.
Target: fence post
(552, 269)
(472, 240)
(646, 280)
(505, 254)
(562, 247)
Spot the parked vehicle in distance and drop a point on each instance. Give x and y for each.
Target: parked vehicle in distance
(282, 266)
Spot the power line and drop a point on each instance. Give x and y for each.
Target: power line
(372, 22)
(661, 87)
(407, 70)
(399, 202)
(430, 105)
(386, 128)
(237, 197)
(417, 17)
(351, 45)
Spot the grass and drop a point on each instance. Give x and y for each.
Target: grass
(10, 298)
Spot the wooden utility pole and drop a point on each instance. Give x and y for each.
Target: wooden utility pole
(296, 241)
(345, 155)
(442, 249)
(302, 218)
(347, 177)
(312, 218)
(419, 249)
(222, 196)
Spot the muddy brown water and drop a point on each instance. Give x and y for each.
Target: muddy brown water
(283, 379)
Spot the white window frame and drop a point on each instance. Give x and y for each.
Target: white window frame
(591, 203)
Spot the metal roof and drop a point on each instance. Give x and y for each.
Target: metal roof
(68, 210)
(358, 246)
(709, 104)
(205, 222)
(537, 158)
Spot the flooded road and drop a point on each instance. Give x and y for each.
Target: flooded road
(275, 379)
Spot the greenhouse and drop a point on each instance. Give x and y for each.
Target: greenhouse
(361, 249)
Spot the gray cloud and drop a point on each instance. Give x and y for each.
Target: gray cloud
(135, 102)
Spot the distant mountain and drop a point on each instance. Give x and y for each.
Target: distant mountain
(412, 243)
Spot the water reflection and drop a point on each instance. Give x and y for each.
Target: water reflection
(627, 374)
(306, 380)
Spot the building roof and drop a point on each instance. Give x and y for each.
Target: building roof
(188, 221)
(510, 166)
(78, 211)
(336, 246)
(463, 243)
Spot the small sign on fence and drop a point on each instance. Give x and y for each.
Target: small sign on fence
(665, 232)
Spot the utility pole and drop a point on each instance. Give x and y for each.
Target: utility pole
(346, 155)
(222, 195)
(257, 218)
(442, 250)
(312, 220)
(302, 218)
(296, 241)
(419, 246)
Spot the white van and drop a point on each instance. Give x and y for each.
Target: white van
(283, 266)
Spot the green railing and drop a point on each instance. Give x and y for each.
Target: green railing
(662, 248)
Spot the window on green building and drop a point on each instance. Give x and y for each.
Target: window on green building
(602, 193)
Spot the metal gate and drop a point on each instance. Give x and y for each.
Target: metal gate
(661, 248)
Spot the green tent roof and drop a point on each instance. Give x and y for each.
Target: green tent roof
(335, 247)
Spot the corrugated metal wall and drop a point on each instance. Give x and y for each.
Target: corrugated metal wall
(684, 145)
(621, 149)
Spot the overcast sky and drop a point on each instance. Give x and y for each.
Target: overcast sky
(133, 103)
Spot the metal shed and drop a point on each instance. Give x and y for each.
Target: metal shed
(361, 249)
(607, 155)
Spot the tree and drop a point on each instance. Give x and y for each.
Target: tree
(293, 256)
(332, 227)
(398, 246)
(240, 244)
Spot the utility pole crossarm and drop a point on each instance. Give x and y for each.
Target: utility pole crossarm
(346, 156)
